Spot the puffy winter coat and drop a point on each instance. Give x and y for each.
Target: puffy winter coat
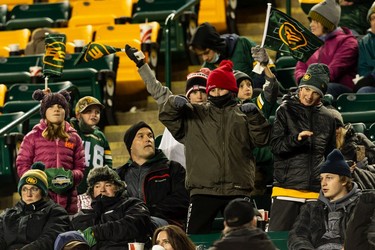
(296, 163)
(32, 226)
(54, 154)
(340, 53)
(219, 144)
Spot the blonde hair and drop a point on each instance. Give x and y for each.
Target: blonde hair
(55, 131)
(340, 137)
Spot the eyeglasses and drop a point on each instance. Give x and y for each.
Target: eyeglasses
(33, 190)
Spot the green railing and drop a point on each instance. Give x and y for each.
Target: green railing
(172, 17)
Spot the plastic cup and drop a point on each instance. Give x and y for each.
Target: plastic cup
(146, 30)
(136, 246)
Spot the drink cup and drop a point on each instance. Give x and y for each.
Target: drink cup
(146, 30)
(136, 246)
(35, 71)
(78, 45)
(14, 49)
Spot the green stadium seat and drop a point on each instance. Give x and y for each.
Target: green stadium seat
(204, 240)
(285, 66)
(38, 15)
(15, 77)
(371, 132)
(8, 146)
(352, 102)
(366, 117)
(7, 118)
(181, 29)
(359, 127)
(280, 239)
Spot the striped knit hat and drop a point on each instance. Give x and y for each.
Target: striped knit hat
(35, 176)
(327, 13)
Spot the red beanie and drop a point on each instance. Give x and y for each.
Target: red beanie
(222, 77)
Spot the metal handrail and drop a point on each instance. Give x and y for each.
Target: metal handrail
(171, 17)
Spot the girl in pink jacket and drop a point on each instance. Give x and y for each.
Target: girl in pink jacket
(55, 143)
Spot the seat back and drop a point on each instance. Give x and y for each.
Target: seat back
(84, 33)
(20, 37)
(371, 132)
(11, 3)
(214, 12)
(128, 80)
(352, 102)
(285, 67)
(99, 13)
(38, 15)
(7, 118)
(359, 127)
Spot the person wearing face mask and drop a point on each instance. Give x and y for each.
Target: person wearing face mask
(114, 219)
(212, 47)
(304, 133)
(219, 137)
(339, 51)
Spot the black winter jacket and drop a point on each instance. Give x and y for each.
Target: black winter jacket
(161, 185)
(296, 163)
(243, 239)
(115, 221)
(32, 226)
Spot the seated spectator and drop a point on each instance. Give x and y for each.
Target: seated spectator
(35, 221)
(172, 237)
(240, 228)
(71, 240)
(151, 177)
(360, 234)
(339, 52)
(358, 151)
(322, 224)
(115, 219)
(366, 59)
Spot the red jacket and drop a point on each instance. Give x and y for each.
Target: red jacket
(58, 153)
(340, 53)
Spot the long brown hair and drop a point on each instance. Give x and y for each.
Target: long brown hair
(55, 131)
(176, 236)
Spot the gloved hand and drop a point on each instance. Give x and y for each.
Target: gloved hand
(260, 54)
(248, 108)
(362, 164)
(180, 101)
(88, 234)
(135, 55)
(368, 80)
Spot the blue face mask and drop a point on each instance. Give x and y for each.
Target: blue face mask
(215, 58)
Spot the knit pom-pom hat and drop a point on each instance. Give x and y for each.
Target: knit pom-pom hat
(48, 99)
(222, 77)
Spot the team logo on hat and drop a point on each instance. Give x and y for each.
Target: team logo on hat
(31, 180)
(306, 77)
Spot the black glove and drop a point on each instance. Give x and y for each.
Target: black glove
(260, 54)
(368, 80)
(131, 53)
(249, 108)
(180, 101)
